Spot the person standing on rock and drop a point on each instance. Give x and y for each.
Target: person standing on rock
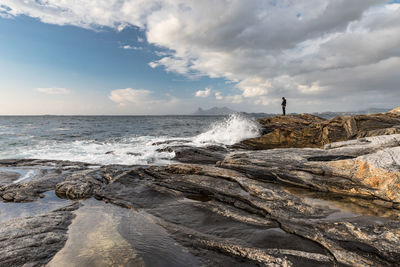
(283, 106)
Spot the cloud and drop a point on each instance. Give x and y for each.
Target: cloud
(129, 47)
(218, 96)
(53, 91)
(235, 99)
(203, 93)
(311, 51)
(129, 95)
(139, 101)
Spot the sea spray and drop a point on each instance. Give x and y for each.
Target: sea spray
(230, 131)
(126, 151)
(119, 140)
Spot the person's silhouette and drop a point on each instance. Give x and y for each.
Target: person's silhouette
(283, 106)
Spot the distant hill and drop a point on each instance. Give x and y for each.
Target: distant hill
(213, 111)
(330, 115)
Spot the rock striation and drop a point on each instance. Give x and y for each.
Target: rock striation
(307, 130)
(367, 167)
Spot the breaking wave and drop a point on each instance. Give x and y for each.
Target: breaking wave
(230, 131)
(131, 149)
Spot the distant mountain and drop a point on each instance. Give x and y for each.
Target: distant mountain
(213, 111)
(374, 110)
(330, 115)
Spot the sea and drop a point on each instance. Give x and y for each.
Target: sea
(124, 140)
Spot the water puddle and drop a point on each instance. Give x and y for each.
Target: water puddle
(108, 235)
(345, 206)
(50, 202)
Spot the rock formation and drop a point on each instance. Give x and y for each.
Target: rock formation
(306, 130)
(395, 110)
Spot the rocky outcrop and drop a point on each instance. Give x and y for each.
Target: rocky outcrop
(367, 167)
(81, 184)
(395, 110)
(199, 155)
(306, 130)
(45, 176)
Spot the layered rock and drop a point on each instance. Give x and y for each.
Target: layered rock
(33, 241)
(199, 155)
(306, 130)
(367, 167)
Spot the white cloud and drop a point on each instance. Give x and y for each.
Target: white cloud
(218, 96)
(310, 89)
(129, 95)
(130, 47)
(203, 93)
(264, 100)
(53, 91)
(139, 101)
(235, 99)
(262, 46)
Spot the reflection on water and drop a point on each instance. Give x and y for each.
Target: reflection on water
(107, 235)
(11, 210)
(345, 206)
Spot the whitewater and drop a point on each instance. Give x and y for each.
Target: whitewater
(125, 140)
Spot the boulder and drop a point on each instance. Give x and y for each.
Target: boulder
(81, 184)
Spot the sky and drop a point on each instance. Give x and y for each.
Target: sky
(152, 57)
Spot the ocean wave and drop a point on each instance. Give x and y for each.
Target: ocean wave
(230, 131)
(133, 151)
(136, 150)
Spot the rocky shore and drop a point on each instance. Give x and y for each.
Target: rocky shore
(307, 192)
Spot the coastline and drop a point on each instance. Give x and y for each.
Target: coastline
(333, 201)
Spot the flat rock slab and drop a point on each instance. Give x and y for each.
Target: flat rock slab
(33, 241)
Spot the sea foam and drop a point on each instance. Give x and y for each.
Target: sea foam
(230, 131)
(137, 149)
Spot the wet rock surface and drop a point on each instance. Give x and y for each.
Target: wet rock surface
(332, 206)
(7, 177)
(33, 241)
(199, 155)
